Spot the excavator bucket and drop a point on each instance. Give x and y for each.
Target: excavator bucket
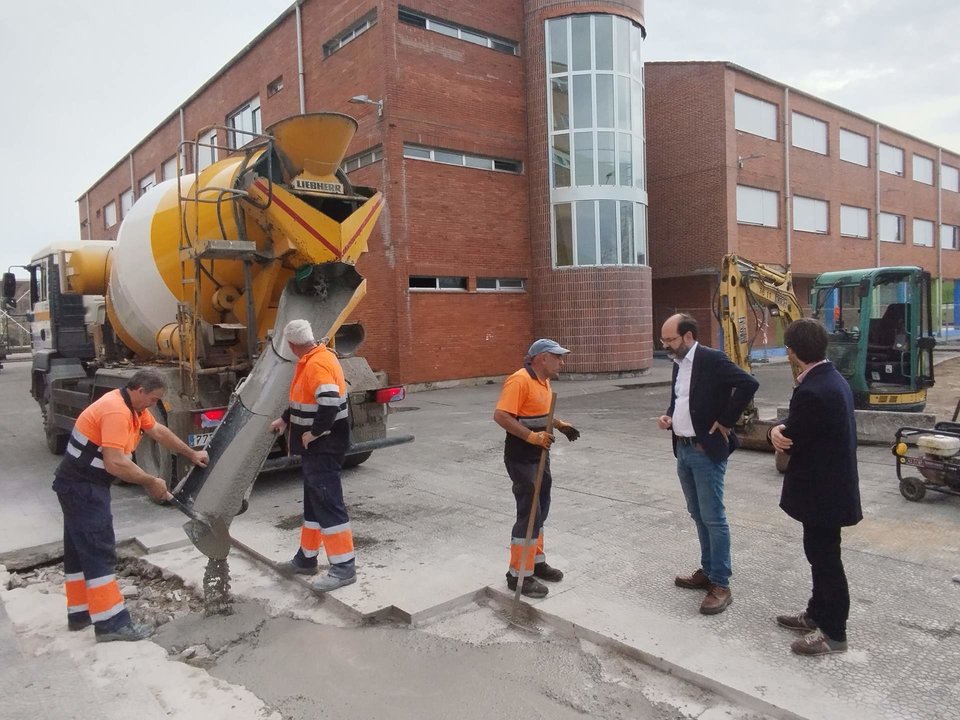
(242, 441)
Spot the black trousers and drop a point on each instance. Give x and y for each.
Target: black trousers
(829, 603)
(523, 475)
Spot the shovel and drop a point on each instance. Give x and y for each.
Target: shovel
(208, 534)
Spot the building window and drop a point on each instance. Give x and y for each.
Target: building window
(350, 34)
(757, 207)
(595, 118)
(854, 148)
(755, 116)
(274, 86)
(891, 159)
(454, 157)
(891, 227)
(810, 215)
(489, 284)
(168, 171)
(949, 237)
(363, 159)
(923, 169)
(206, 150)
(922, 232)
(950, 178)
(126, 202)
(809, 133)
(435, 282)
(146, 183)
(854, 221)
(245, 122)
(411, 17)
(110, 214)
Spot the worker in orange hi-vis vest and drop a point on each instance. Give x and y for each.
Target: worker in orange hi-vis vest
(522, 411)
(99, 450)
(320, 434)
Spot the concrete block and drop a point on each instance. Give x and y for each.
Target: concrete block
(879, 427)
(160, 540)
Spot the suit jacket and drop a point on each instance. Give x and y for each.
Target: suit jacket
(821, 485)
(719, 392)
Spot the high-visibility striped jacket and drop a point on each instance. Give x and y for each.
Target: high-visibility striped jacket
(527, 398)
(109, 422)
(318, 402)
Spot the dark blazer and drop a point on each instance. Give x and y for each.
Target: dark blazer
(719, 391)
(821, 485)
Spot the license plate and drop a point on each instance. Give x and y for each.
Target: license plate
(199, 441)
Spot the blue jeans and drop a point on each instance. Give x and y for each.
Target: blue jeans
(702, 481)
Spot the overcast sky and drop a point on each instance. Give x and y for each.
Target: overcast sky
(83, 81)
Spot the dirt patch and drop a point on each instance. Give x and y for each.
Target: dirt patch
(942, 397)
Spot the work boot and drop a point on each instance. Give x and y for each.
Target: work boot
(801, 622)
(816, 643)
(717, 599)
(291, 568)
(331, 582)
(545, 572)
(129, 632)
(531, 586)
(697, 581)
(75, 624)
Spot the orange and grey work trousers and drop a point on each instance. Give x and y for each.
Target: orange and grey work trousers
(523, 474)
(90, 556)
(325, 519)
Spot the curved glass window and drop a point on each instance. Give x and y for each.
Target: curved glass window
(598, 191)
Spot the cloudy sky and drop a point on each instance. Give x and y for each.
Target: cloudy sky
(84, 81)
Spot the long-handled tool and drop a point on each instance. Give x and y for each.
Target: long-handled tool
(209, 534)
(534, 511)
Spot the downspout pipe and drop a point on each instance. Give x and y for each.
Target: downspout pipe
(787, 197)
(300, 78)
(876, 175)
(939, 240)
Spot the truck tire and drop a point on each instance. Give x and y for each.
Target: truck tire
(154, 459)
(56, 439)
(358, 459)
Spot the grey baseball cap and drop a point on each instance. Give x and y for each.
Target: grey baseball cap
(546, 345)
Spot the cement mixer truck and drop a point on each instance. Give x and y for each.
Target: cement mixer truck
(206, 270)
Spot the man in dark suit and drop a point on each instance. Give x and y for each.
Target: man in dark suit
(709, 394)
(821, 488)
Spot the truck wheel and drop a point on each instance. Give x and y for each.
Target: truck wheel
(912, 489)
(56, 439)
(154, 459)
(358, 459)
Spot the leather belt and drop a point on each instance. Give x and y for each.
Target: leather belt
(681, 440)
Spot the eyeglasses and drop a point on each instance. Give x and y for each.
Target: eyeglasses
(667, 341)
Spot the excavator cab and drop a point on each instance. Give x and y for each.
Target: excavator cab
(881, 340)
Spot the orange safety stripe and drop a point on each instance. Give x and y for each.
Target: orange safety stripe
(104, 600)
(76, 590)
(517, 553)
(311, 539)
(339, 545)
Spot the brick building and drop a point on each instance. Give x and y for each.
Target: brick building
(508, 139)
(740, 163)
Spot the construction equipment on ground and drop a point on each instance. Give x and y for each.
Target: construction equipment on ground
(878, 322)
(206, 270)
(932, 452)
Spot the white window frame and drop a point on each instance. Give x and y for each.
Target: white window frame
(207, 150)
(168, 171)
(925, 231)
(362, 159)
(274, 86)
(147, 182)
(768, 205)
(885, 226)
(811, 215)
(755, 116)
(438, 281)
(809, 133)
(245, 120)
(457, 158)
(950, 237)
(950, 178)
(507, 285)
(461, 32)
(891, 159)
(350, 34)
(110, 214)
(922, 169)
(854, 147)
(126, 202)
(854, 221)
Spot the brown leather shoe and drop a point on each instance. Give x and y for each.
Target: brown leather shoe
(717, 600)
(697, 581)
